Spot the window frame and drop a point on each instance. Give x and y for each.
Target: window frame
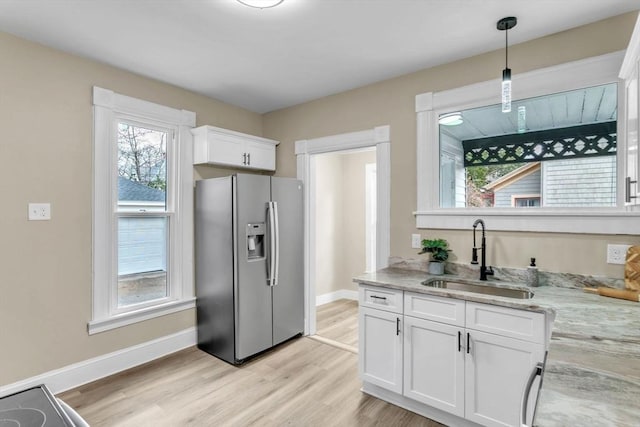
(109, 108)
(569, 76)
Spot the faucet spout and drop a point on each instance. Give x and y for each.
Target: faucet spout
(484, 271)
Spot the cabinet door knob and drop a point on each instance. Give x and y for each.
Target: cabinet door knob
(377, 297)
(397, 326)
(249, 158)
(468, 342)
(244, 158)
(459, 341)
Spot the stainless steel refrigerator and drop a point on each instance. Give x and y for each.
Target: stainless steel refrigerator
(249, 264)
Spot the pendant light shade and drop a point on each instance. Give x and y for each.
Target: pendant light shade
(260, 4)
(451, 119)
(505, 24)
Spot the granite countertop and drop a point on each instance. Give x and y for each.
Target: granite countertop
(592, 374)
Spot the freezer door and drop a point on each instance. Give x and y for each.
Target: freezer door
(252, 291)
(214, 267)
(288, 293)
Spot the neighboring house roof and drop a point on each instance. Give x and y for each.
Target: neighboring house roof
(134, 191)
(512, 176)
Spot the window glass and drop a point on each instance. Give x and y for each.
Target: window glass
(557, 150)
(143, 238)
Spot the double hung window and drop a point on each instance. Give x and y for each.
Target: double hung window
(142, 242)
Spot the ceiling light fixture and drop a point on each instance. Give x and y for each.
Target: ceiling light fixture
(505, 24)
(450, 119)
(260, 4)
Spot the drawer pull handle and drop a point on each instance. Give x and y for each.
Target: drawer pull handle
(377, 297)
(397, 326)
(468, 342)
(459, 341)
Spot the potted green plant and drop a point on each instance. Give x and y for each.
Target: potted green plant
(439, 250)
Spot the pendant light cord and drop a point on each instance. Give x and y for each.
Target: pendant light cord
(506, 48)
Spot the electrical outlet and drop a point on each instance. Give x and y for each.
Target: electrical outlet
(617, 254)
(416, 241)
(39, 211)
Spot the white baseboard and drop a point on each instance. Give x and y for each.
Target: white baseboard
(80, 373)
(335, 296)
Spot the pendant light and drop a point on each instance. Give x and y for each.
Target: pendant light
(505, 24)
(260, 4)
(451, 119)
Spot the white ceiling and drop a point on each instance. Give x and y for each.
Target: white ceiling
(267, 59)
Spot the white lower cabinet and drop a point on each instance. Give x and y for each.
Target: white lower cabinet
(449, 364)
(434, 364)
(380, 348)
(496, 371)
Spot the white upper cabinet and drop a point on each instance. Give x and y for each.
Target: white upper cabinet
(629, 73)
(217, 146)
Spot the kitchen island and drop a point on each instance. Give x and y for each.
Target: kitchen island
(592, 373)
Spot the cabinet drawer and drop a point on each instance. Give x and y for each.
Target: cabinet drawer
(508, 322)
(438, 309)
(381, 298)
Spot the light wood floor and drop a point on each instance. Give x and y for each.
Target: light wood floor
(301, 383)
(338, 321)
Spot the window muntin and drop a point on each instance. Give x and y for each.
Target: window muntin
(563, 131)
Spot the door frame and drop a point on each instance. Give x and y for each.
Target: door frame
(306, 150)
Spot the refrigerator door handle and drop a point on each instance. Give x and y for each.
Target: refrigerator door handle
(272, 244)
(276, 229)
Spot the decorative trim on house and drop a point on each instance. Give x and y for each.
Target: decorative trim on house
(512, 177)
(80, 373)
(597, 139)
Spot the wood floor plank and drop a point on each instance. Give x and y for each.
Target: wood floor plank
(338, 321)
(303, 382)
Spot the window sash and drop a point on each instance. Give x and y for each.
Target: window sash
(115, 308)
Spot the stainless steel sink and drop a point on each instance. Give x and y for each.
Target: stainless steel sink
(509, 292)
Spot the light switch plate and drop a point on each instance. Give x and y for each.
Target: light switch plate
(416, 241)
(39, 211)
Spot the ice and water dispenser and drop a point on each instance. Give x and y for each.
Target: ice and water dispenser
(255, 240)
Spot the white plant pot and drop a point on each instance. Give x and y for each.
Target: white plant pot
(436, 268)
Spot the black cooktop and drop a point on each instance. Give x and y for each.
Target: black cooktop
(33, 407)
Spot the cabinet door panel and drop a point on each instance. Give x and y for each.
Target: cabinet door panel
(380, 298)
(496, 373)
(434, 364)
(260, 155)
(508, 322)
(438, 309)
(226, 149)
(380, 348)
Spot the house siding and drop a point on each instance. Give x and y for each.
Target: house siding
(530, 184)
(580, 182)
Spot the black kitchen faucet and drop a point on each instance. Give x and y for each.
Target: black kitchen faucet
(484, 271)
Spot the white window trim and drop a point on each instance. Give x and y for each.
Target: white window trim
(573, 75)
(106, 106)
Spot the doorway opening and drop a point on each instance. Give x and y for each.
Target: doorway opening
(345, 229)
(376, 226)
